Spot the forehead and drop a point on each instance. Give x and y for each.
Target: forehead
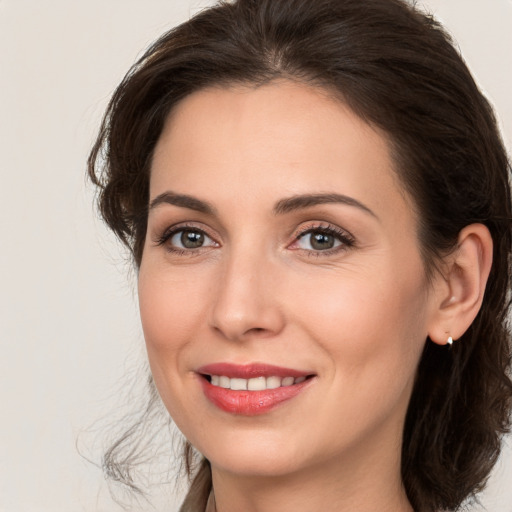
(276, 140)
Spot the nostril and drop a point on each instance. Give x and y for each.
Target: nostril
(258, 331)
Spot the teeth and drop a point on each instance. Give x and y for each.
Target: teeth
(238, 384)
(288, 381)
(254, 384)
(257, 384)
(273, 382)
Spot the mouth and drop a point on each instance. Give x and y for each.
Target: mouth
(251, 389)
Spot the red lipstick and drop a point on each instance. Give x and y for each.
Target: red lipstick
(279, 385)
(248, 371)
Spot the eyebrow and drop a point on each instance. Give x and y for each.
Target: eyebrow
(183, 201)
(282, 207)
(308, 200)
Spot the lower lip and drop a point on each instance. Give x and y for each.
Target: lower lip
(250, 403)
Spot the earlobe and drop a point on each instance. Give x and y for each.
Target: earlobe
(460, 295)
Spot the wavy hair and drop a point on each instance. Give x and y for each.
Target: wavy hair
(396, 68)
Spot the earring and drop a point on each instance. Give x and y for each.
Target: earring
(449, 341)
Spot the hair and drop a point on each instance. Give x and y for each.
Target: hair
(397, 69)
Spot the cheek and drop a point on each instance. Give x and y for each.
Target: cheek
(171, 308)
(367, 324)
(371, 332)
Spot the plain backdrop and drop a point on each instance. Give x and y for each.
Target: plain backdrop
(68, 314)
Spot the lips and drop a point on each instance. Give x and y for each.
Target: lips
(251, 389)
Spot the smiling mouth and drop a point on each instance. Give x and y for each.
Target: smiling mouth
(252, 389)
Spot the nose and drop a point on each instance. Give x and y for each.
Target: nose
(246, 298)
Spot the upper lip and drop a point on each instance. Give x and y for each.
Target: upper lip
(251, 370)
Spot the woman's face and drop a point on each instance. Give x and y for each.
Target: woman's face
(281, 255)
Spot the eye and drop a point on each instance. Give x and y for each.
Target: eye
(318, 241)
(184, 239)
(190, 239)
(323, 238)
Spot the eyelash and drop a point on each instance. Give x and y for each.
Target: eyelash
(346, 239)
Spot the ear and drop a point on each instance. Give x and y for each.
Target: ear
(459, 291)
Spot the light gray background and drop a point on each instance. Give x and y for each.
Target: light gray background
(68, 316)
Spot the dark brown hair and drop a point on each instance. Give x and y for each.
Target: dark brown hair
(398, 70)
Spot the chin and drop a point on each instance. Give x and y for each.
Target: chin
(255, 465)
(262, 456)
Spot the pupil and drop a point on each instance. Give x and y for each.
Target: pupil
(322, 241)
(192, 239)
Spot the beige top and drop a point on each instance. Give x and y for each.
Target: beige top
(210, 504)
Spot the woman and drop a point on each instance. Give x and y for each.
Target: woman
(316, 198)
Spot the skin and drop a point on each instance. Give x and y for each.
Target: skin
(356, 316)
